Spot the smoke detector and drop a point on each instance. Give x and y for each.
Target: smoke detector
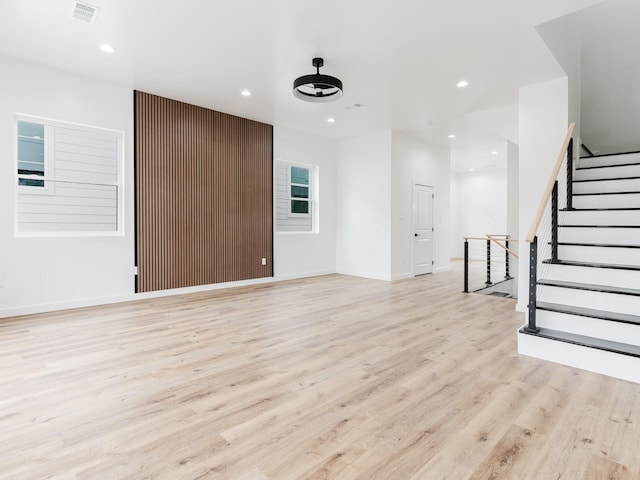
(84, 12)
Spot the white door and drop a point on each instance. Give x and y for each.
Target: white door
(422, 229)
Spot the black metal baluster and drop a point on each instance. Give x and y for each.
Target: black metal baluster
(554, 223)
(488, 282)
(533, 280)
(466, 266)
(570, 175)
(506, 259)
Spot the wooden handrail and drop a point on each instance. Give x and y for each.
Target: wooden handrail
(504, 247)
(552, 179)
(486, 238)
(496, 240)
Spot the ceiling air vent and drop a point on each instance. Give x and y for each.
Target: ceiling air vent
(84, 12)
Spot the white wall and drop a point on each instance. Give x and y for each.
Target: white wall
(414, 160)
(513, 206)
(45, 273)
(481, 207)
(363, 193)
(307, 254)
(543, 122)
(48, 273)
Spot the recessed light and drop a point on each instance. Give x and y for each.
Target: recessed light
(462, 84)
(472, 169)
(105, 47)
(452, 136)
(331, 120)
(494, 153)
(245, 93)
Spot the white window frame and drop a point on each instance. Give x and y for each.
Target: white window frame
(50, 173)
(49, 187)
(309, 198)
(314, 200)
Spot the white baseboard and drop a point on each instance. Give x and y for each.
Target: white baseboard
(401, 276)
(442, 269)
(372, 276)
(295, 276)
(96, 301)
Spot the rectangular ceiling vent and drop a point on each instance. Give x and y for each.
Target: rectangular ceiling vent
(84, 12)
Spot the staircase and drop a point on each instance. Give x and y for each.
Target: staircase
(588, 301)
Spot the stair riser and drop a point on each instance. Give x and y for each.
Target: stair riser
(593, 360)
(619, 217)
(617, 256)
(614, 236)
(607, 172)
(600, 276)
(587, 299)
(607, 186)
(607, 201)
(608, 160)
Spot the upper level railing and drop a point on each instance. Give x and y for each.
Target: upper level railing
(545, 221)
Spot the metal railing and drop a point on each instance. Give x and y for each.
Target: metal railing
(545, 223)
(495, 252)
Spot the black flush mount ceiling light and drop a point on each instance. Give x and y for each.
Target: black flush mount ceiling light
(317, 88)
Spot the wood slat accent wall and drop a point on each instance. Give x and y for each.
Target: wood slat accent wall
(204, 195)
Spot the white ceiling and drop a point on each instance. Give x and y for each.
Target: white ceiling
(400, 59)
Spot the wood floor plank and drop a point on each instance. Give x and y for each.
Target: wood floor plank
(331, 377)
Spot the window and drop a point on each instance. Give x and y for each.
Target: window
(300, 188)
(30, 153)
(296, 201)
(67, 177)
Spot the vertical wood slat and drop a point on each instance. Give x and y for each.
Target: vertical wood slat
(203, 195)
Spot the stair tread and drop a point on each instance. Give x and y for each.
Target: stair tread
(575, 263)
(589, 312)
(591, 244)
(598, 226)
(585, 341)
(630, 192)
(589, 287)
(609, 166)
(606, 209)
(605, 179)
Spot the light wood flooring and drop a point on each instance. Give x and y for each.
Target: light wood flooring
(332, 377)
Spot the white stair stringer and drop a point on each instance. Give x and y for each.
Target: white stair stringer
(595, 360)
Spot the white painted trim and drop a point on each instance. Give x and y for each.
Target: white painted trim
(372, 276)
(96, 301)
(401, 276)
(296, 276)
(441, 269)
